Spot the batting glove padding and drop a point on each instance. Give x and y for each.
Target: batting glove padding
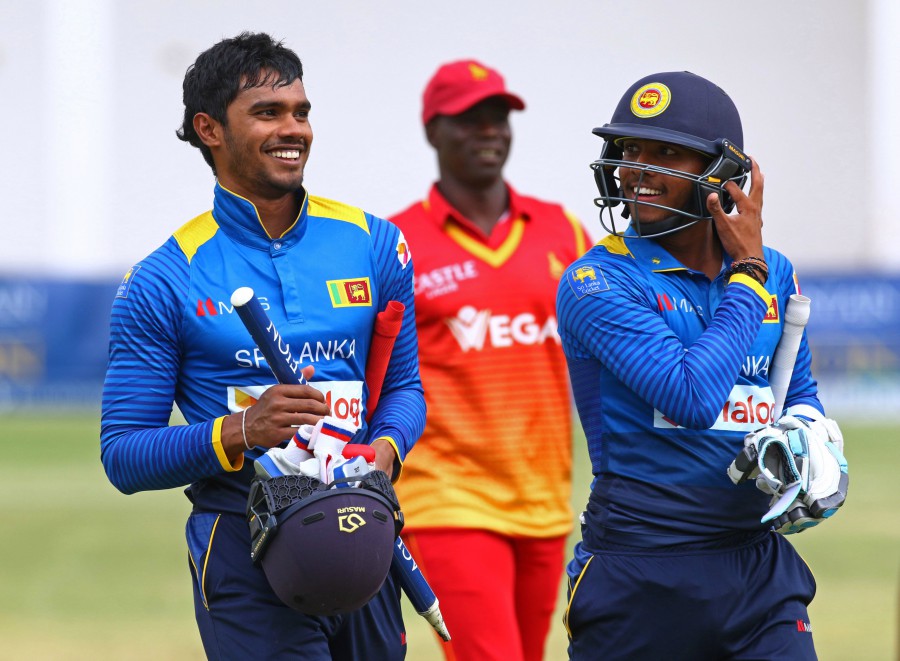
(775, 457)
(796, 451)
(321, 450)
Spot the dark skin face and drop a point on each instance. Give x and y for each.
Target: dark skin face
(262, 149)
(698, 246)
(472, 147)
(654, 187)
(260, 155)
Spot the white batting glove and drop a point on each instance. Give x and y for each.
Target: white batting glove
(829, 478)
(817, 462)
(286, 461)
(775, 457)
(327, 441)
(293, 459)
(353, 470)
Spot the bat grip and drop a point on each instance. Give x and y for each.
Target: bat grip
(276, 352)
(796, 316)
(387, 328)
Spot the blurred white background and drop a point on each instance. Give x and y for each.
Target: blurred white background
(92, 176)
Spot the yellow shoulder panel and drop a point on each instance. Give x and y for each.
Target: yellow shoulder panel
(320, 206)
(195, 233)
(614, 244)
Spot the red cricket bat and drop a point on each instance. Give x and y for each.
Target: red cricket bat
(387, 328)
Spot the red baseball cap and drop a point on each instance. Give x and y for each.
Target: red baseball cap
(457, 86)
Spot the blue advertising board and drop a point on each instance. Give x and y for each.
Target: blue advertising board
(854, 335)
(54, 337)
(53, 342)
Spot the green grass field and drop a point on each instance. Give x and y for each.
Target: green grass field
(87, 573)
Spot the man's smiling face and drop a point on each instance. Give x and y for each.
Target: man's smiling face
(266, 141)
(652, 187)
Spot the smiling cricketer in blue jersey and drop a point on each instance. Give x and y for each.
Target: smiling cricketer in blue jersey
(322, 270)
(669, 326)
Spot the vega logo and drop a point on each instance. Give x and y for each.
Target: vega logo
(472, 328)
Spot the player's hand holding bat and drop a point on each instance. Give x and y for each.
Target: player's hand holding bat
(275, 417)
(828, 477)
(801, 464)
(775, 456)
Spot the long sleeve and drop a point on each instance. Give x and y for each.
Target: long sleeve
(139, 450)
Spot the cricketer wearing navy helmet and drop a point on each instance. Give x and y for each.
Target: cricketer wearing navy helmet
(669, 326)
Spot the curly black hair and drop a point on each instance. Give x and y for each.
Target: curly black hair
(213, 81)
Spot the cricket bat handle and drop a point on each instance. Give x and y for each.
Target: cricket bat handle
(796, 316)
(420, 594)
(267, 338)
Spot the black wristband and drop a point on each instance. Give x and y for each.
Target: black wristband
(753, 267)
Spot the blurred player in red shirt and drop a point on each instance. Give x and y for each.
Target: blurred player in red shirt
(486, 493)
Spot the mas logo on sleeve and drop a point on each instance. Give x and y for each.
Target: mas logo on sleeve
(350, 292)
(587, 279)
(123, 289)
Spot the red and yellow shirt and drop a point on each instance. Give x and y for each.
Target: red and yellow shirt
(496, 452)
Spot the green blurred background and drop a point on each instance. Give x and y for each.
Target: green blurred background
(88, 573)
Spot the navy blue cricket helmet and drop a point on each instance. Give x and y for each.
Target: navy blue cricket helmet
(679, 108)
(324, 551)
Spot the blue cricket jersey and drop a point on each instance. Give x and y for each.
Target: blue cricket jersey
(175, 337)
(669, 372)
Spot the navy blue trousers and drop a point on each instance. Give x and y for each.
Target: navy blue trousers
(747, 601)
(240, 617)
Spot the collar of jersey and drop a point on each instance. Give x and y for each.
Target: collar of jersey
(493, 250)
(239, 219)
(651, 254)
(441, 210)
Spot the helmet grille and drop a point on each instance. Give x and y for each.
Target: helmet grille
(285, 490)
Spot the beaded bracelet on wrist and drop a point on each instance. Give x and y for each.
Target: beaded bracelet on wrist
(753, 267)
